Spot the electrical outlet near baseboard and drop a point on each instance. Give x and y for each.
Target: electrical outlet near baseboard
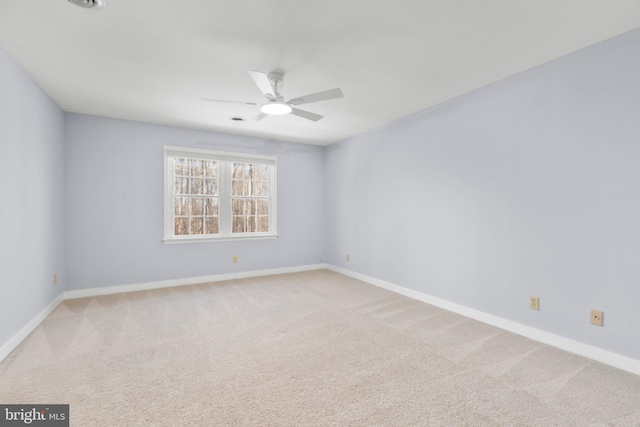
(596, 317)
(534, 303)
(347, 257)
(55, 279)
(235, 259)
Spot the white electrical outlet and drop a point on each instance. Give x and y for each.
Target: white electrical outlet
(534, 303)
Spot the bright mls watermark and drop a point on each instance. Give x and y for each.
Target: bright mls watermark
(34, 415)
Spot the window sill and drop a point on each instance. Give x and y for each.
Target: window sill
(205, 239)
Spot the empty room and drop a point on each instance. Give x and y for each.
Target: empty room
(294, 213)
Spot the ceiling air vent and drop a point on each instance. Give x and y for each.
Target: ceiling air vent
(87, 3)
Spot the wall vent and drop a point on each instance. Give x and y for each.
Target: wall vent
(87, 3)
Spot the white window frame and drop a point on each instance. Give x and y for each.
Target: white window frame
(225, 160)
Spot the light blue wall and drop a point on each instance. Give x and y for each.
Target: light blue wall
(530, 186)
(31, 199)
(114, 184)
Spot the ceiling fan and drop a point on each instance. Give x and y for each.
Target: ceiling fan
(270, 85)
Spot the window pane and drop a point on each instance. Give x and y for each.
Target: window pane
(262, 207)
(197, 206)
(196, 186)
(180, 206)
(181, 166)
(238, 171)
(260, 189)
(211, 225)
(263, 172)
(263, 224)
(237, 206)
(250, 207)
(236, 188)
(238, 224)
(248, 171)
(210, 169)
(211, 187)
(181, 186)
(211, 207)
(196, 226)
(251, 224)
(247, 188)
(196, 167)
(181, 226)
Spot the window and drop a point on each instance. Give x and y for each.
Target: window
(211, 196)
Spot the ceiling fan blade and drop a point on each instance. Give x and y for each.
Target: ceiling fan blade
(229, 102)
(319, 96)
(258, 117)
(262, 81)
(306, 114)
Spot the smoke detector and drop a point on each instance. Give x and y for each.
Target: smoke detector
(88, 4)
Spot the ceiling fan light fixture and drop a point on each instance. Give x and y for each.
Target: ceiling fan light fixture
(276, 108)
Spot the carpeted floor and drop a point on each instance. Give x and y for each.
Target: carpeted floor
(304, 349)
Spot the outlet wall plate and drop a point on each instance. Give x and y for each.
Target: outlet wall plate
(534, 303)
(596, 317)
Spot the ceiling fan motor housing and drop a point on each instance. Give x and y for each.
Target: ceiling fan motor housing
(276, 77)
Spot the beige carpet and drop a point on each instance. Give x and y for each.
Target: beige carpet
(304, 349)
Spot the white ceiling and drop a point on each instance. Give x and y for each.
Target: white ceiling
(154, 60)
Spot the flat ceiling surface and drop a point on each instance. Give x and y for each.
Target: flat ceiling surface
(154, 61)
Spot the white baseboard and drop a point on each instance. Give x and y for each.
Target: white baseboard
(15, 340)
(613, 359)
(92, 292)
